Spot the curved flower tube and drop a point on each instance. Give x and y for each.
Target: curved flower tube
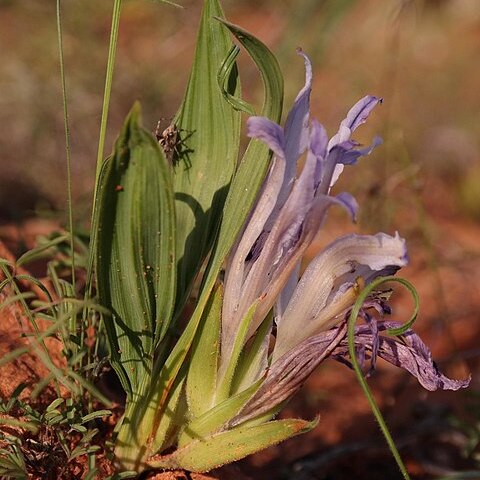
(328, 287)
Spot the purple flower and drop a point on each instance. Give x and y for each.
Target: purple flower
(290, 209)
(310, 312)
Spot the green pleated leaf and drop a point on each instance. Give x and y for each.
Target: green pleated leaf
(144, 429)
(256, 160)
(202, 374)
(225, 447)
(209, 130)
(245, 185)
(135, 250)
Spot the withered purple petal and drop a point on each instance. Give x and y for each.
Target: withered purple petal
(406, 351)
(289, 373)
(296, 131)
(415, 357)
(296, 125)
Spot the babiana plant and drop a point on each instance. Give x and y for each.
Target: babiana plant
(225, 230)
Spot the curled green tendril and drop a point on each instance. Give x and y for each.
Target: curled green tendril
(356, 366)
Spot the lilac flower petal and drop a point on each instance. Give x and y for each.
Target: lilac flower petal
(285, 231)
(269, 132)
(318, 147)
(296, 125)
(314, 304)
(281, 247)
(332, 169)
(318, 139)
(238, 266)
(377, 140)
(350, 156)
(359, 113)
(296, 130)
(337, 171)
(294, 141)
(286, 293)
(343, 134)
(344, 154)
(311, 226)
(349, 203)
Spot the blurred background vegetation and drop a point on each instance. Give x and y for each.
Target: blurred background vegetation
(422, 56)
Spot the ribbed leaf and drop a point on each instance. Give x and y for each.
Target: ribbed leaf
(242, 194)
(135, 250)
(134, 442)
(225, 447)
(244, 190)
(173, 416)
(209, 128)
(202, 374)
(253, 167)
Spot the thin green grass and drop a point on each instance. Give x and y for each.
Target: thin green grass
(67, 139)
(112, 50)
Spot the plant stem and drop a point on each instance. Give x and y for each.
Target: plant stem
(358, 371)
